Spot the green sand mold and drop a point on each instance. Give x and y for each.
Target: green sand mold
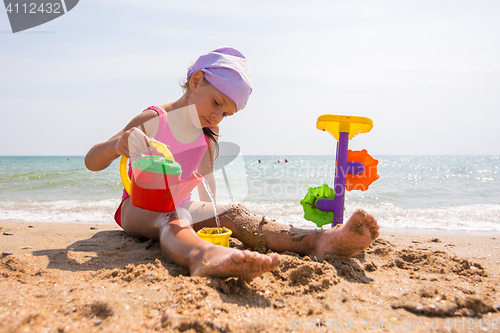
(313, 214)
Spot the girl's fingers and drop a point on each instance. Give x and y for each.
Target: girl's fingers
(138, 142)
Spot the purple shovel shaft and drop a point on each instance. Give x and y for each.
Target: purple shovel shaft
(340, 175)
(343, 168)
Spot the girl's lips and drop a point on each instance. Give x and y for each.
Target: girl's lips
(208, 122)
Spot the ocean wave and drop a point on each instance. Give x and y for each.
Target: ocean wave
(59, 211)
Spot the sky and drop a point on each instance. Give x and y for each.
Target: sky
(426, 72)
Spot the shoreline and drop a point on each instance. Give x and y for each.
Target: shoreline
(68, 277)
(382, 229)
(441, 231)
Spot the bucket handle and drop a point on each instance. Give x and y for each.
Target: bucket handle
(158, 146)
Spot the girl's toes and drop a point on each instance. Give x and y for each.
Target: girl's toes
(247, 255)
(261, 260)
(238, 257)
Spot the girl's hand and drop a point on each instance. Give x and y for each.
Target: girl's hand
(132, 143)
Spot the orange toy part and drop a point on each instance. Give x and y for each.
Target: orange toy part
(362, 181)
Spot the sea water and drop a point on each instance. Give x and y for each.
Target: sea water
(418, 192)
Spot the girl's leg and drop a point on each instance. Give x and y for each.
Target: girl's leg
(180, 243)
(259, 233)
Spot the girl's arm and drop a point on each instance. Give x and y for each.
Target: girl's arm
(206, 169)
(101, 155)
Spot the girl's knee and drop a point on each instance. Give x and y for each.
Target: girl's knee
(183, 214)
(180, 217)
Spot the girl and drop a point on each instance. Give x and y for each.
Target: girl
(217, 86)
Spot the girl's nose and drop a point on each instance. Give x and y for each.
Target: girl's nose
(217, 116)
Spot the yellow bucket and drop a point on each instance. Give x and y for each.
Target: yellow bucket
(210, 235)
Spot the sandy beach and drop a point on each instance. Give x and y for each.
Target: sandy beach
(89, 278)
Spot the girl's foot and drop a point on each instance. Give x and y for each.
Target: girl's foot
(227, 262)
(350, 238)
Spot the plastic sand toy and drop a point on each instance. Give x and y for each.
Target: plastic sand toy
(217, 236)
(156, 183)
(354, 170)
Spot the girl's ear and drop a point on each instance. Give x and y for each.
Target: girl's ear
(196, 80)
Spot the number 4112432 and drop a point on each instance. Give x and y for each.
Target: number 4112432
(470, 324)
(32, 8)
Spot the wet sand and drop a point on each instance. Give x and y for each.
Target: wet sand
(89, 278)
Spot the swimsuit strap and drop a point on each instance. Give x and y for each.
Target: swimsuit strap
(155, 108)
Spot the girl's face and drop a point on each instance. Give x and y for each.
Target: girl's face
(212, 105)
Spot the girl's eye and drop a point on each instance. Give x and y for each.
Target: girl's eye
(215, 102)
(224, 115)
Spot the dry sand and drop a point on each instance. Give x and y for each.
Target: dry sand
(89, 278)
